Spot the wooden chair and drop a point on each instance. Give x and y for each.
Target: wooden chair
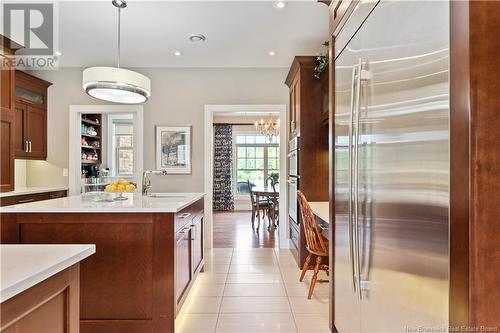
(317, 244)
(275, 213)
(264, 206)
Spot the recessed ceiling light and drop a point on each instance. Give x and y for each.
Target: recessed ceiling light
(272, 53)
(58, 53)
(177, 53)
(280, 4)
(197, 38)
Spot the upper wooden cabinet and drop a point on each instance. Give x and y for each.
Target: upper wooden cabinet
(31, 117)
(307, 120)
(7, 101)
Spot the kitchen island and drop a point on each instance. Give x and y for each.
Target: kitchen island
(150, 250)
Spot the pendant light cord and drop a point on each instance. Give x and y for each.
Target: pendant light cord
(119, 34)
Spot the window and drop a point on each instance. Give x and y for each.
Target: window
(256, 159)
(124, 149)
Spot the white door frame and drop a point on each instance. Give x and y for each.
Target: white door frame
(75, 120)
(209, 120)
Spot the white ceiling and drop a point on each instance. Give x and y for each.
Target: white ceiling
(239, 33)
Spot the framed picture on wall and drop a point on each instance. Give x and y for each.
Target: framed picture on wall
(173, 149)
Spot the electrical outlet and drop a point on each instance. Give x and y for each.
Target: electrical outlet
(65, 172)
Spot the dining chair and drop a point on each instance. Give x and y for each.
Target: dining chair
(316, 245)
(264, 206)
(276, 204)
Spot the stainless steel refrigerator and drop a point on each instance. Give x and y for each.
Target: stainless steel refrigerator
(392, 167)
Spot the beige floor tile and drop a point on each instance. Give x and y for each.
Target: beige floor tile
(301, 289)
(311, 323)
(256, 323)
(216, 260)
(256, 268)
(214, 268)
(254, 305)
(201, 305)
(196, 323)
(244, 260)
(315, 305)
(206, 289)
(254, 278)
(214, 278)
(254, 289)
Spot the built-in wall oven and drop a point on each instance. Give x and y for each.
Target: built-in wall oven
(293, 178)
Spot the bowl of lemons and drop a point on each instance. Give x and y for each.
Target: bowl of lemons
(120, 186)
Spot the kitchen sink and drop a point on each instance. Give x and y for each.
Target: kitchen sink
(168, 195)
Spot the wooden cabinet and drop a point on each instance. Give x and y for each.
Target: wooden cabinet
(294, 109)
(7, 121)
(30, 117)
(309, 109)
(183, 274)
(189, 257)
(197, 233)
(49, 306)
(26, 198)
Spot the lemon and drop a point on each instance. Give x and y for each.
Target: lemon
(110, 188)
(123, 182)
(130, 188)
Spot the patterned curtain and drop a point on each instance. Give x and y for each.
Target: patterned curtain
(223, 198)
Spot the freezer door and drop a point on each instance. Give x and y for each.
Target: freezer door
(346, 303)
(403, 166)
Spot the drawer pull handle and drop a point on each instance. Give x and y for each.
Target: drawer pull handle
(26, 200)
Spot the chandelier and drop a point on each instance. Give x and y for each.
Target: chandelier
(269, 127)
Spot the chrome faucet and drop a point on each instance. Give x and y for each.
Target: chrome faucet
(146, 182)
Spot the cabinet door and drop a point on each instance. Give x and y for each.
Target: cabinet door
(7, 84)
(7, 152)
(36, 130)
(20, 138)
(295, 106)
(292, 110)
(197, 241)
(183, 262)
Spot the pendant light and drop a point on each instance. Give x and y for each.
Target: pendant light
(115, 84)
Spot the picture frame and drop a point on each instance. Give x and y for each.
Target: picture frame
(173, 149)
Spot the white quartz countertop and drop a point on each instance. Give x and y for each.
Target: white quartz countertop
(321, 210)
(32, 190)
(23, 266)
(102, 203)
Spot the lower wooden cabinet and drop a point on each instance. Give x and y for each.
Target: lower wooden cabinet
(197, 242)
(26, 198)
(183, 274)
(49, 306)
(189, 258)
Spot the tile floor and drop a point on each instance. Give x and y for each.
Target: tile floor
(253, 291)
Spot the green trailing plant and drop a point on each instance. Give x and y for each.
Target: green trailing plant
(321, 61)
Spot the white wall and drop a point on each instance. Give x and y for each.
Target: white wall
(178, 98)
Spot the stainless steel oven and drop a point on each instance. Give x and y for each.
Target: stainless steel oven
(293, 157)
(293, 177)
(292, 198)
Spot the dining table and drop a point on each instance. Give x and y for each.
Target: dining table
(272, 193)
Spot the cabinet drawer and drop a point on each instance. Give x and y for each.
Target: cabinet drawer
(186, 215)
(58, 194)
(20, 199)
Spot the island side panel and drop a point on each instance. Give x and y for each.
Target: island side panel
(130, 274)
(49, 306)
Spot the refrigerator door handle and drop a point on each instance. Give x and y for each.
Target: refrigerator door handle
(362, 76)
(350, 183)
(356, 179)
